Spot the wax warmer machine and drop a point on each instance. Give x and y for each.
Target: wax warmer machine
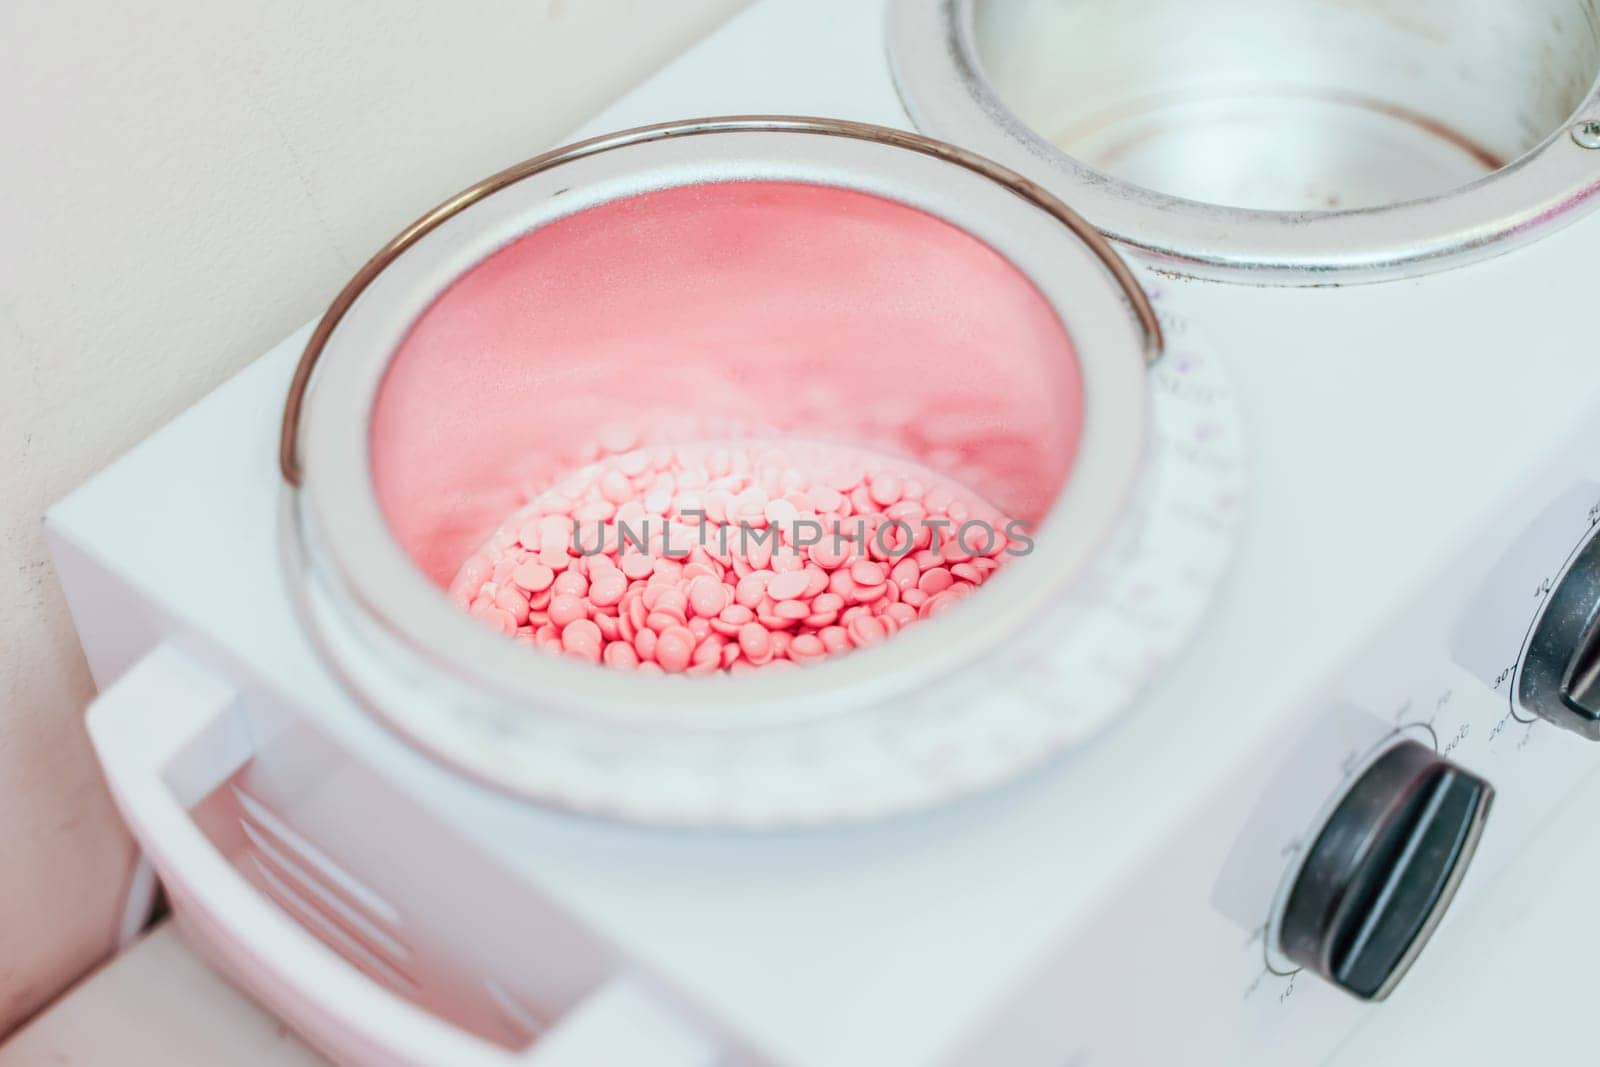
(1147, 806)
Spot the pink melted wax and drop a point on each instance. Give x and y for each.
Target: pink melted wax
(725, 557)
(766, 316)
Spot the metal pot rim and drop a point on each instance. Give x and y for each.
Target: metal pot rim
(341, 542)
(942, 84)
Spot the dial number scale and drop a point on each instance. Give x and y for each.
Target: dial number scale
(1559, 676)
(1385, 863)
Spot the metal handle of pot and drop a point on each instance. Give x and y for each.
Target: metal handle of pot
(288, 441)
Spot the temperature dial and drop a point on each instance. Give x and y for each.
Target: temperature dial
(1382, 870)
(1560, 676)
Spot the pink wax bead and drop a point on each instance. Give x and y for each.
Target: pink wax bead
(707, 596)
(673, 652)
(661, 621)
(556, 530)
(885, 489)
(657, 501)
(786, 561)
(780, 511)
(866, 572)
(865, 631)
(637, 565)
(755, 641)
(816, 580)
(565, 609)
(620, 654)
(533, 576)
(824, 498)
(827, 602)
(760, 553)
(582, 638)
(570, 583)
(955, 550)
(938, 498)
(791, 609)
(607, 588)
(595, 511)
(967, 572)
(682, 632)
(708, 651)
(834, 638)
(673, 601)
(866, 594)
(514, 601)
(901, 613)
(751, 588)
(615, 488)
(808, 646)
(789, 585)
(825, 554)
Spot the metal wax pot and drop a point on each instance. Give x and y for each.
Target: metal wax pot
(682, 283)
(1297, 142)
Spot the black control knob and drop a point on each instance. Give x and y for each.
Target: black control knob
(1383, 868)
(1560, 676)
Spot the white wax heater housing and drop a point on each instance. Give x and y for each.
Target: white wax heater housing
(395, 846)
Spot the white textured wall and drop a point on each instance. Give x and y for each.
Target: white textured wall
(181, 185)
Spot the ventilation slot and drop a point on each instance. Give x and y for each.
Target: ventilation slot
(358, 923)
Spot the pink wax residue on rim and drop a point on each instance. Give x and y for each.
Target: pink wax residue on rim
(721, 310)
(727, 556)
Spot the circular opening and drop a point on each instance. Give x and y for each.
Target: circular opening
(839, 284)
(701, 316)
(1292, 105)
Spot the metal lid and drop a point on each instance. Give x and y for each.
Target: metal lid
(1143, 64)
